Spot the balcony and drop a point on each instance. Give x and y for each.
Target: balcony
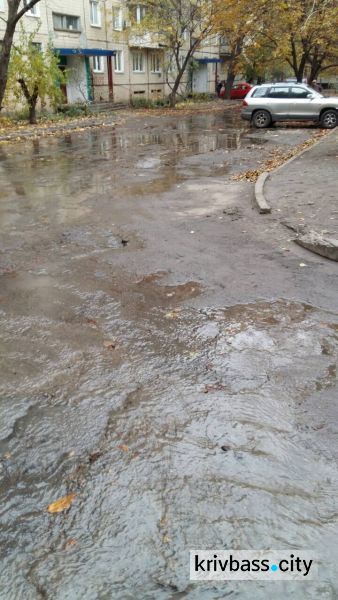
(224, 48)
(146, 40)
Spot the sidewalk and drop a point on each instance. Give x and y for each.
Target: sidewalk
(304, 193)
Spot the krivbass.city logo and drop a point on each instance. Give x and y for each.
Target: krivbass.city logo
(241, 565)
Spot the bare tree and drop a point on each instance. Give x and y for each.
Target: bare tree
(15, 13)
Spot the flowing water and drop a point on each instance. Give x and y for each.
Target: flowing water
(177, 424)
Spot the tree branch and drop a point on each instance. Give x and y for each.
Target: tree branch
(25, 9)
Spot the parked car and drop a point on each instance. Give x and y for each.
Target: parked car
(272, 102)
(238, 91)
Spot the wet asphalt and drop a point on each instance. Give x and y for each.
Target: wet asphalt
(149, 318)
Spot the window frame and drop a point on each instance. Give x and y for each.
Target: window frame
(300, 97)
(155, 61)
(63, 15)
(280, 90)
(121, 61)
(96, 3)
(32, 12)
(118, 18)
(138, 53)
(256, 94)
(140, 12)
(100, 67)
(37, 46)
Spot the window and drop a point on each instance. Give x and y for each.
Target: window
(278, 92)
(2, 5)
(139, 13)
(98, 66)
(138, 62)
(181, 61)
(37, 46)
(155, 62)
(118, 62)
(172, 67)
(95, 13)
(299, 92)
(260, 92)
(66, 22)
(118, 19)
(32, 12)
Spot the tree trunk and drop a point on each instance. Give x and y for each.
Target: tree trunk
(32, 113)
(31, 100)
(173, 93)
(301, 68)
(229, 81)
(237, 51)
(14, 15)
(6, 47)
(316, 63)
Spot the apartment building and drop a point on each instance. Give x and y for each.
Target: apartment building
(105, 57)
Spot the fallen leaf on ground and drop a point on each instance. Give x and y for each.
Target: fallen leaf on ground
(173, 314)
(277, 158)
(109, 344)
(123, 447)
(213, 388)
(7, 455)
(62, 504)
(70, 543)
(94, 456)
(166, 539)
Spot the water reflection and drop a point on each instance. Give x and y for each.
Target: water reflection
(74, 165)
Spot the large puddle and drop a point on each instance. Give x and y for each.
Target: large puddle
(193, 429)
(176, 427)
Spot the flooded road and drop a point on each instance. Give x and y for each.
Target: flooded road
(164, 357)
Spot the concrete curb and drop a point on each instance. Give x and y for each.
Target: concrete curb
(261, 201)
(319, 244)
(263, 206)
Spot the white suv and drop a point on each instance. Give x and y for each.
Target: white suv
(271, 102)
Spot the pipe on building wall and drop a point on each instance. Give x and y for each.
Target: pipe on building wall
(89, 80)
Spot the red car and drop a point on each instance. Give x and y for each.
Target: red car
(238, 91)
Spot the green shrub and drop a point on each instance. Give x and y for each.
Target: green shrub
(201, 97)
(161, 102)
(141, 102)
(73, 110)
(20, 115)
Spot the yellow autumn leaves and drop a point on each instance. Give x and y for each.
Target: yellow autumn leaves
(62, 504)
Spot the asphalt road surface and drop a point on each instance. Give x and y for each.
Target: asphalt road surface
(169, 356)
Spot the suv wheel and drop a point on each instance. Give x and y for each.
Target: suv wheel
(261, 119)
(329, 119)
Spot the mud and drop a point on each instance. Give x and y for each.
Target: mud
(149, 318)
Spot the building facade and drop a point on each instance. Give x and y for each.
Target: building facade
(104, 57)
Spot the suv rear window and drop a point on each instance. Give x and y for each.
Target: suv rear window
(259, 92)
